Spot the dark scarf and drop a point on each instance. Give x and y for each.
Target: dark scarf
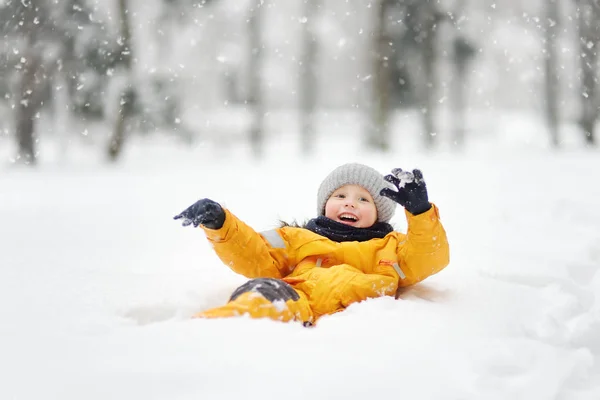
(339, 232)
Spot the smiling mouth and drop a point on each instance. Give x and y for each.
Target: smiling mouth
(348, 218)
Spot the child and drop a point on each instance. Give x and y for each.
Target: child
(347, 254)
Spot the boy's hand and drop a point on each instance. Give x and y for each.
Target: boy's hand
(203, 212)
(412, 191)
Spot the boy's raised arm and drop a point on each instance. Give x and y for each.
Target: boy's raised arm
(239, 246)
(425, 250)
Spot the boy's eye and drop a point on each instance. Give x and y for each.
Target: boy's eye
(364, 199)
(340, 196)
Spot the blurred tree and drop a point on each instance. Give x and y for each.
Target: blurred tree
(48, 51)
(29, 102)
(462, 52)
(588, 13)
(378, 132)
(28, 26)
(86, 58)
(404, 48)
(551, 71)
(404, 65)
(308, 77)
(255, 74)
(423, 18)
(127, 93)
(157, 100)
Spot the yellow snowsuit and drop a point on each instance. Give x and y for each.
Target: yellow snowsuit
(328, 276)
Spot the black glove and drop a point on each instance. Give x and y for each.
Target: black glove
(203, 212)
(412, 192)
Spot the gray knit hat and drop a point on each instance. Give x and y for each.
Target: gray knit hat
(364, 176)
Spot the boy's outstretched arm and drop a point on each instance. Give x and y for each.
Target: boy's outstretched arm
(425, 250)
(239, 246)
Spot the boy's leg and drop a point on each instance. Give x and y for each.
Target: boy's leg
(264, 298)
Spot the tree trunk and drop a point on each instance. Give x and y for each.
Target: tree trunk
(589, 34)
(458, 104)
(28, 106)
(62, 126)
(429, 65)
(551, 68)
(255, 62)
(462, 53)
(115, 146)
(308, 78)
(378, 132)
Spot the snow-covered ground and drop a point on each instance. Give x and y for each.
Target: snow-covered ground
(97, 282)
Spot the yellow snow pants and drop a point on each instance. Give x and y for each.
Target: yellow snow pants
(265, 298)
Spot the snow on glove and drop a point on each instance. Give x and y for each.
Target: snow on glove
(203, 212)
(412, 191)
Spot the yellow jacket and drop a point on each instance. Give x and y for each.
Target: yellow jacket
(332, 275)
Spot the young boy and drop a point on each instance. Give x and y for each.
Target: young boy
(347, 254)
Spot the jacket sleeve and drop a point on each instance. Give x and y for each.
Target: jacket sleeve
(425, 250)
(247, 252)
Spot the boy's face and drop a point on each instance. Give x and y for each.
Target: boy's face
(352, 205)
